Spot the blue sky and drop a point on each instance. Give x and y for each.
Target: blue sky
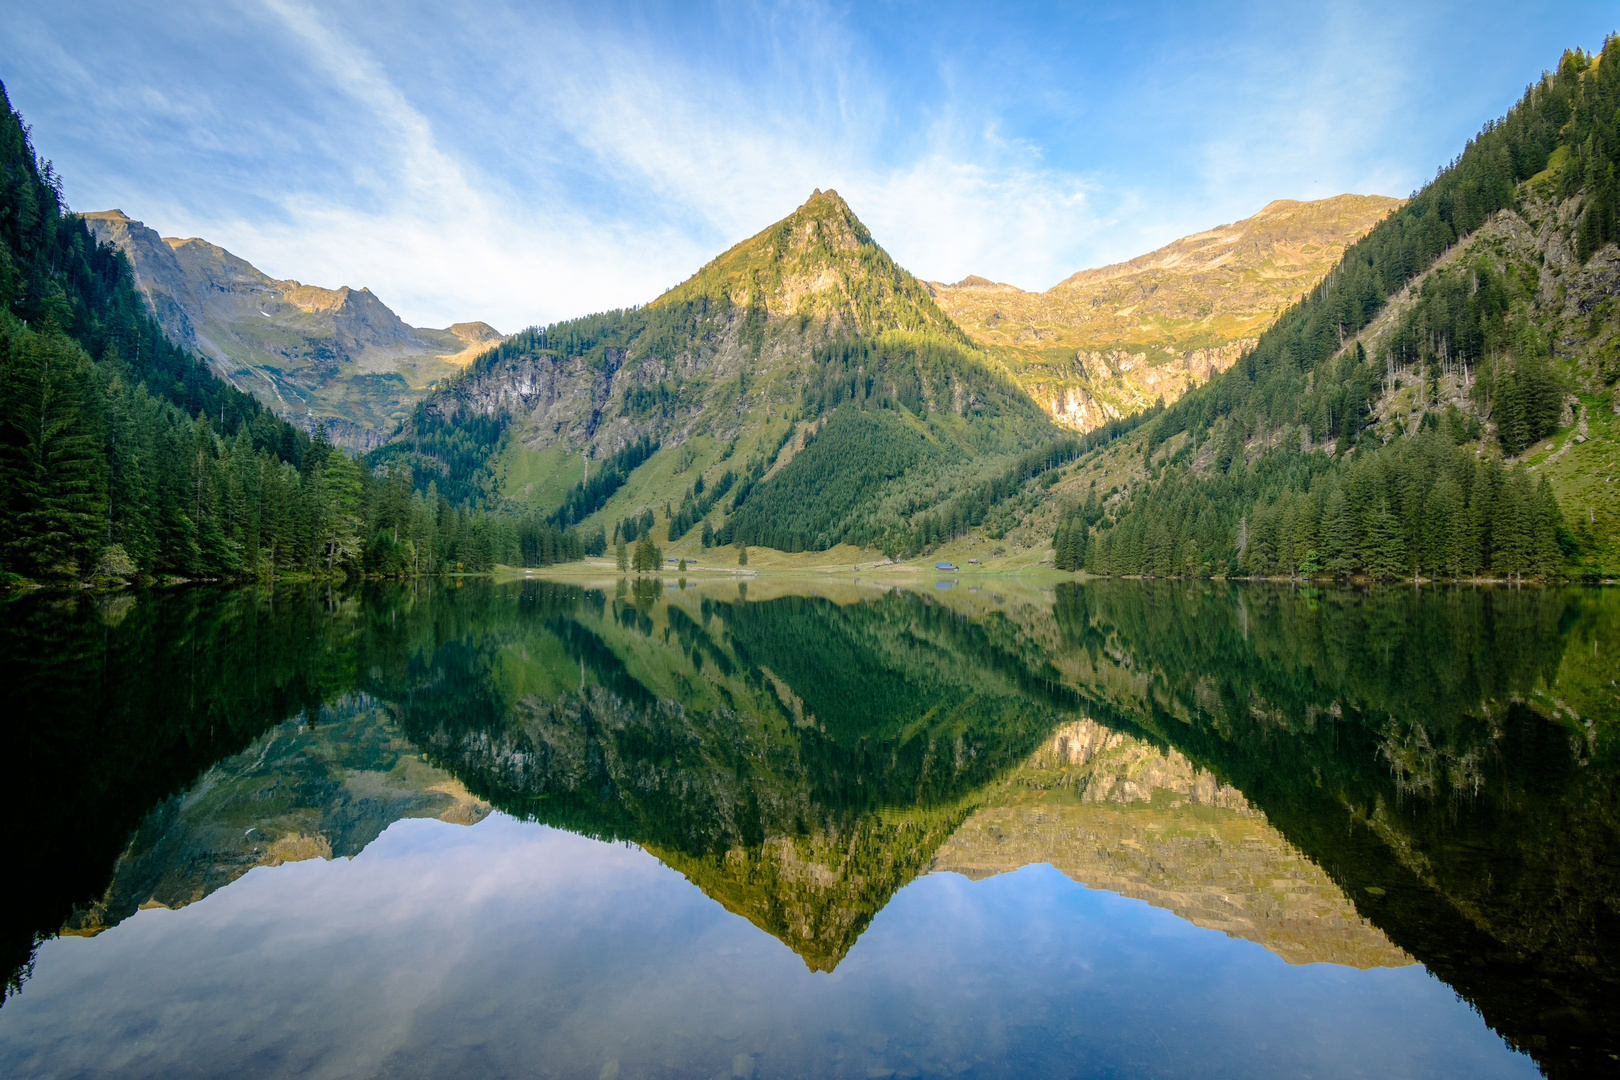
(520, 163)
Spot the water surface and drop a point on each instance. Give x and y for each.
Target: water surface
(631, 829)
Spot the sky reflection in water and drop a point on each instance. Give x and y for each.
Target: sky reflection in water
(623, 831)
(515, 949)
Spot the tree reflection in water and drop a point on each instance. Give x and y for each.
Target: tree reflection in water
(1362, 778)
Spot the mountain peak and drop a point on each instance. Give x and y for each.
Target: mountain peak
(820, 262)
(1164, 321)
(340, 356)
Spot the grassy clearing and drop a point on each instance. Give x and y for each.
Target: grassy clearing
(537, 479)
(1585, 477)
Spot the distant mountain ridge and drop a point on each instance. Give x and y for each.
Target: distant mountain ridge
(338, 357)
(1442, 406)
(1107, 342)
(731, 376)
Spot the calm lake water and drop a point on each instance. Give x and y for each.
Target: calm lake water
(631, 829)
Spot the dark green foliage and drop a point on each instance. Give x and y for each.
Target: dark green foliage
(1527, 397)
(818, 498)
(128, 698)
(122, 455)
(1474, 322)
(828, 494)
(581, 502)
(972, 507)
(52, 470)
(699, 501)
(455, 444)
(648, 556)
(1389, 514)
(1069, 545)
(920, 373)
(1418, 506)
(455, 453)
(1382, 728)
(52, 271)
(1291, 377)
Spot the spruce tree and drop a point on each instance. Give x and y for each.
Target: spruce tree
(52, 469)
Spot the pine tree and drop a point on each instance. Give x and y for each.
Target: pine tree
(52, 470)
(1061, 548)
(1338, 534)
(1383, 548)
(339, 509)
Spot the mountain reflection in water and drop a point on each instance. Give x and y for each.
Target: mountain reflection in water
(1363, 779)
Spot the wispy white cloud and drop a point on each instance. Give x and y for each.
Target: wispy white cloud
(519, 163)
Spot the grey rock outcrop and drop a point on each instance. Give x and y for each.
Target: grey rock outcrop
(334, 357)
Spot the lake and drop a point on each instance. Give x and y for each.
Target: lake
(642, 828)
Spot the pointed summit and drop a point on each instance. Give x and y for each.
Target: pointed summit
(818, 263)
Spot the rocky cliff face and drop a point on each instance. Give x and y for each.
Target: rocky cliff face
(1574, 312)
(1107, 342)
(717, 367)
(751, 315)
(1114, 812)
(338, 357)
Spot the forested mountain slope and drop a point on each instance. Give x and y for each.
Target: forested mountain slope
(338, 358)
(123, 456)
(799, 354)
(1442, 405)
(1104, 343)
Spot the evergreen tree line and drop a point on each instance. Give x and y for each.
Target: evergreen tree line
(454, 452)
(631, 528)
(696, 504)
(645, 558)
(122, 456)
(585, 500)
(1299, 383)
(825, 495)
(1473, 324)
(745, 483)
(1593, 146)
(920, 372)
(973, 507)
(1291, 376)
(1421, 506)
(412, 533)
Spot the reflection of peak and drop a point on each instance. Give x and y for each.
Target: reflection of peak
(817, 893)
(298, 792)
(1114, 812)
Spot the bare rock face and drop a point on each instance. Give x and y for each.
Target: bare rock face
(160, 278)
(1107, 342)
(733, 335)
(334, 357)
(1114, 812)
